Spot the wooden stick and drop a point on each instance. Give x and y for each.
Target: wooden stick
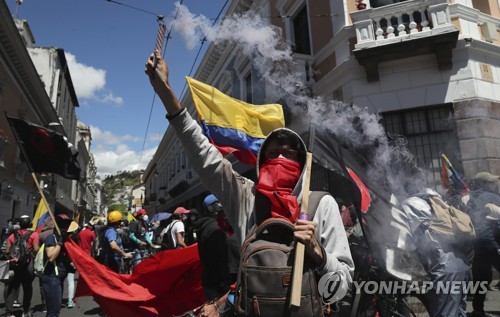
(40, 190)
(298, 266)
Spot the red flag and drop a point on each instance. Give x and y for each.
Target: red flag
(166, 284)
(46, 150)
(365, 193)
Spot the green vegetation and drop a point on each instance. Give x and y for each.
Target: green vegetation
(116, 184)
(120, 207)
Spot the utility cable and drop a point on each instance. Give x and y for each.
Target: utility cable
(201, 46)
(133, 8)
(160, 20)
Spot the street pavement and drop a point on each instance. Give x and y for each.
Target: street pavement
(492, 303)
(87, 307)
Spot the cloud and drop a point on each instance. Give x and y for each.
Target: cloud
(113, 153)
(108, 137)
(90, 82)
(155, 137)
(110, 98)
(121, 158)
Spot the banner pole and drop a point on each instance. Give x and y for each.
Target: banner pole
(298, 266)
(42, 194)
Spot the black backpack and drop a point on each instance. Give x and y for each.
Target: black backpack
(19, 251)
(167, 243)
(265, 272)
(127, 243)
(97, 247)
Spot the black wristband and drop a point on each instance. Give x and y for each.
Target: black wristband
(174, 115)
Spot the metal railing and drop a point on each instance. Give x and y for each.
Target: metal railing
(401, 21)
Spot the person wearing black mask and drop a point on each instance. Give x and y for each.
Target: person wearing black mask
(219, 253)
(58, 264)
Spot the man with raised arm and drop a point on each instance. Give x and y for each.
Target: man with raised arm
(278, 192)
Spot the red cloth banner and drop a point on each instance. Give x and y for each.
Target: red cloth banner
(166, 284)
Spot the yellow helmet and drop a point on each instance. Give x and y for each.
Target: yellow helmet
(114, 216)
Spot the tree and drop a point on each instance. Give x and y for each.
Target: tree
(120, 207)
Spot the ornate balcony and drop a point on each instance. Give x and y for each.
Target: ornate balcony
(402, 30)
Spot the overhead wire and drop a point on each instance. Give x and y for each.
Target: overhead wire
(167, 38)
(203, 40)
(132, 7)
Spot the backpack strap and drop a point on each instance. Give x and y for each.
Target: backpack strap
(42, 249)
(170, 227)
(56, 269)
(314, 199)
(269, 222)
(27, 235)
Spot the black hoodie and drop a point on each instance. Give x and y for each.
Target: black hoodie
(214, 254)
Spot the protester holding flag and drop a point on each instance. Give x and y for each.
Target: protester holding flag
(58, 264)
(280, 166)
(45, 229)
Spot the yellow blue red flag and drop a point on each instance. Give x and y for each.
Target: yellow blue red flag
(450, 178)
(41, 215)
(232, 125)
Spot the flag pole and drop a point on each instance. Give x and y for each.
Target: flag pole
(298, 266)
(40, 190)
(37, 183)
(454, 171)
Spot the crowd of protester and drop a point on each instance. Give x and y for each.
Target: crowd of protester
(219, 249)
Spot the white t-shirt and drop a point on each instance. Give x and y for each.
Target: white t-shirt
(177, 226)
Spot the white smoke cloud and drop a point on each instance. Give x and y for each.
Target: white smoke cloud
(355, 127)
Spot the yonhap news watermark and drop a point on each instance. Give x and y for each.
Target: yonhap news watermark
(420, 287)
(333, 287)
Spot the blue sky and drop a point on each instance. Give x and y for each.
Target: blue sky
(107, 44)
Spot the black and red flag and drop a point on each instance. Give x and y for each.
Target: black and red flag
(384, 222)
(45, 150)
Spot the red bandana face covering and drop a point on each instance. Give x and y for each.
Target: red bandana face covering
(277, 180)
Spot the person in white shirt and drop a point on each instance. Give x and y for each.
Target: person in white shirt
(176, 229)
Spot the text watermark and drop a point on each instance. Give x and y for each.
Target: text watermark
(333, 287)
(423, 287)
